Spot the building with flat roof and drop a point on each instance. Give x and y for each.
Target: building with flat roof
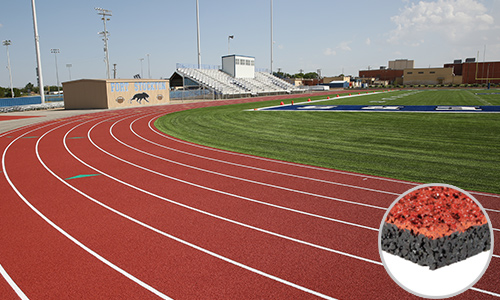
(430, 76)
(239, 66)
(401, 64)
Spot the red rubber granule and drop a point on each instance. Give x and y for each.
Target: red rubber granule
(436, 211)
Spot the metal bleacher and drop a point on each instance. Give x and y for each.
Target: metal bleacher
(224, 84)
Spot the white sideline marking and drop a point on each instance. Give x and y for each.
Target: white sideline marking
(71, 238)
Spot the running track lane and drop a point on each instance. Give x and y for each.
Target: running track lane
(128, 221)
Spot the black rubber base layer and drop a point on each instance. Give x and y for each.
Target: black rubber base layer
(435, 253)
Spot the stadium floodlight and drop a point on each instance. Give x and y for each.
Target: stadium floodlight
(38, 58)
(141, 59)
(69, 69)
(228, 39)
(55, 51)
(149, 67)
(105, 13)
(7, 43)
(198, 33)
(272, 42)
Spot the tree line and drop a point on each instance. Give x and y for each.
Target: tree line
(28, 89)
(310, 75)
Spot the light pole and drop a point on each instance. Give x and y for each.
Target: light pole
(272, 42)
(228, 39)
(198, 33)
(105, 13)
(55, 51)
(38, 58)
(149, 67)
(141, 59)
(6, 43)
(69, 70)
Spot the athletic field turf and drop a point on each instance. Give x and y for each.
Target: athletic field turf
(461, 149)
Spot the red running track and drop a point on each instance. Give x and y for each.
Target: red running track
(103, 206)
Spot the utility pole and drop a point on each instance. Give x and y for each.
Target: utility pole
(38, 58)
(6, 43)
(105, 13)
(114, 71)
(55, 51)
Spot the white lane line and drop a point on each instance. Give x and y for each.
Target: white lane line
(4, 273)
(222, 192)
(232, 177)
(234, 195)
(186, 242)
(202, 211)
(256, 168)
(163, 135)
(71, 238)
(485, 292)
(12, 284)
(210, 189)
(248, 180)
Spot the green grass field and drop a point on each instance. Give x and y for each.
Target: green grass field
(462, 149)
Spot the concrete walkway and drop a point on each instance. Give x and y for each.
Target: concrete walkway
(37, 116)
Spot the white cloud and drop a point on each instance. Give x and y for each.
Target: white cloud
(329, 51)
(344, 46)
(368, 41)
(453, 20)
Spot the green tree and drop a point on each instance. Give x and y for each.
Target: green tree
(311, 75)
(17, 93)
(28, 87)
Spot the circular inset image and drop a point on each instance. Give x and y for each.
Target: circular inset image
(159, 97)
(436, 241)
(120, 99)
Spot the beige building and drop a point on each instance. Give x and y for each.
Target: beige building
(426, 76)
(401, 64)
(336, 78)
(115, 93)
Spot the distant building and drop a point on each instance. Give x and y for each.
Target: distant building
(392, 76)
(401, 64)
(430, 76)
(335, 78)
(479, 72)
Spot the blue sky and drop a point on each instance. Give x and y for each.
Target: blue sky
(334, 36)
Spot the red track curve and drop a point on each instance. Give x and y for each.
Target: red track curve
(160, 217)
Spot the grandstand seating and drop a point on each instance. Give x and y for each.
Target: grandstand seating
(226, 85)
